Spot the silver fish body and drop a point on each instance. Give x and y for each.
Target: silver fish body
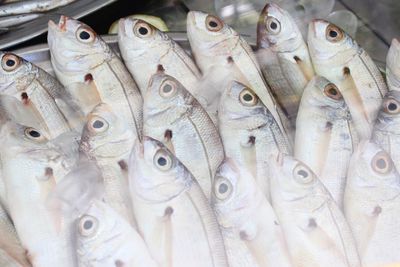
(393, 66)
(30, 6)
(14, 20)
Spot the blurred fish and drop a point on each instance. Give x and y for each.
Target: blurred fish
(249, 132)
(315, 229)
(107, 141)
(372, 205)
(175, 118)
(14, 20)
(92, 72)
(252, 234)
(213, 43)
(337, 57)
(31, 6)
(325, 135)
(173, 214)
(283, 56)
(393, 66)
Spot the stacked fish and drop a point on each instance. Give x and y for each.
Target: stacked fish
(283, 157)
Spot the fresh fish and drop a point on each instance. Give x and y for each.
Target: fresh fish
(387, 127)
(315, 229)
(372, 205)
(13, 20)
(107, 141)
(249, 132)
(325, 135)
(283, 56)
(173, 214)
(143, 45)
(175, 118)
(92, 72)
(337, 57)
(251, 231)
(213, 43)
(31, 6)
(393, 66)
(31, 167)
(40, 93)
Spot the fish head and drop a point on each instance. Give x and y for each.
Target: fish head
(276, 29)
(327, 41)
(155, 174)
(75, 47)
(15, 70)
(105, 135)
(389, 115)
(392, 66)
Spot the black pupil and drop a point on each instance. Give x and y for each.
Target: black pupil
(87, 225)
(381, 164)
(34, 133)
(273, 25)
(162, 161)
(167, 88)
(84, 35)
(213, 24)
(333, 34)
(223, 188)
(392, 106)
(333, 91)
(98, 124)
(302, 173)
(247, 97)
(10, 62)
(143, 31)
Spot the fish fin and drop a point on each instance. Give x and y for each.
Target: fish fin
(306, 70)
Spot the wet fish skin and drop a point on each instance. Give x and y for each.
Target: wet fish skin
(172, 211)
(249, 132)
(30, 6)
(315, 229)
(177, 119)
(372, 205)
(392, 66)
(252, 234)
(342, 61)
(92, 72)
(14, 20)
(325, 135)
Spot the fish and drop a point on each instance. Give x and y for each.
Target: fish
(372, 205)
(393, 67)
(92, 72)
(31, 6)
(107, 141)
(173, 213)
(337, 57)
(251, 230)
(249, 132)
(213, 43)
(39, 95)
(31, 167)
(325, 135)
(14, 20)
(283, 57)
(141, 44)
(315, 229)
(175, 118)
(386, 130)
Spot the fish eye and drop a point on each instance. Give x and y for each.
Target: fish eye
(273, 25)
(248, 98)
(391, 106)
(303, 174)
(85, 35)
(163, 160)
(142, 29)
(332, 91)
(88, 225)
(334, 33)
(168, 89)
(213, 23)
(382, 163)
(10, 62)
(97, 124)
(222, 188)
(34, 134)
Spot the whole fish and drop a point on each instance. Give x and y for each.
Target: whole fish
(283, 56)
(372, 205)
(107, 141)
(213, 43)
(393, 66)
(315, 229)
(31, 167)
(387, 127)
(14, 20)
(92, 72)
(325, 135)
(251, 231)
(175, 118)
(249, 132)
(173, 214)
(40, 93)
(30, 6)
(337, 57)
(141, 44)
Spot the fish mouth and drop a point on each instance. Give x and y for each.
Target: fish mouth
(61, 26)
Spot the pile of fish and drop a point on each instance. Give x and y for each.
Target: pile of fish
(286, 156)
